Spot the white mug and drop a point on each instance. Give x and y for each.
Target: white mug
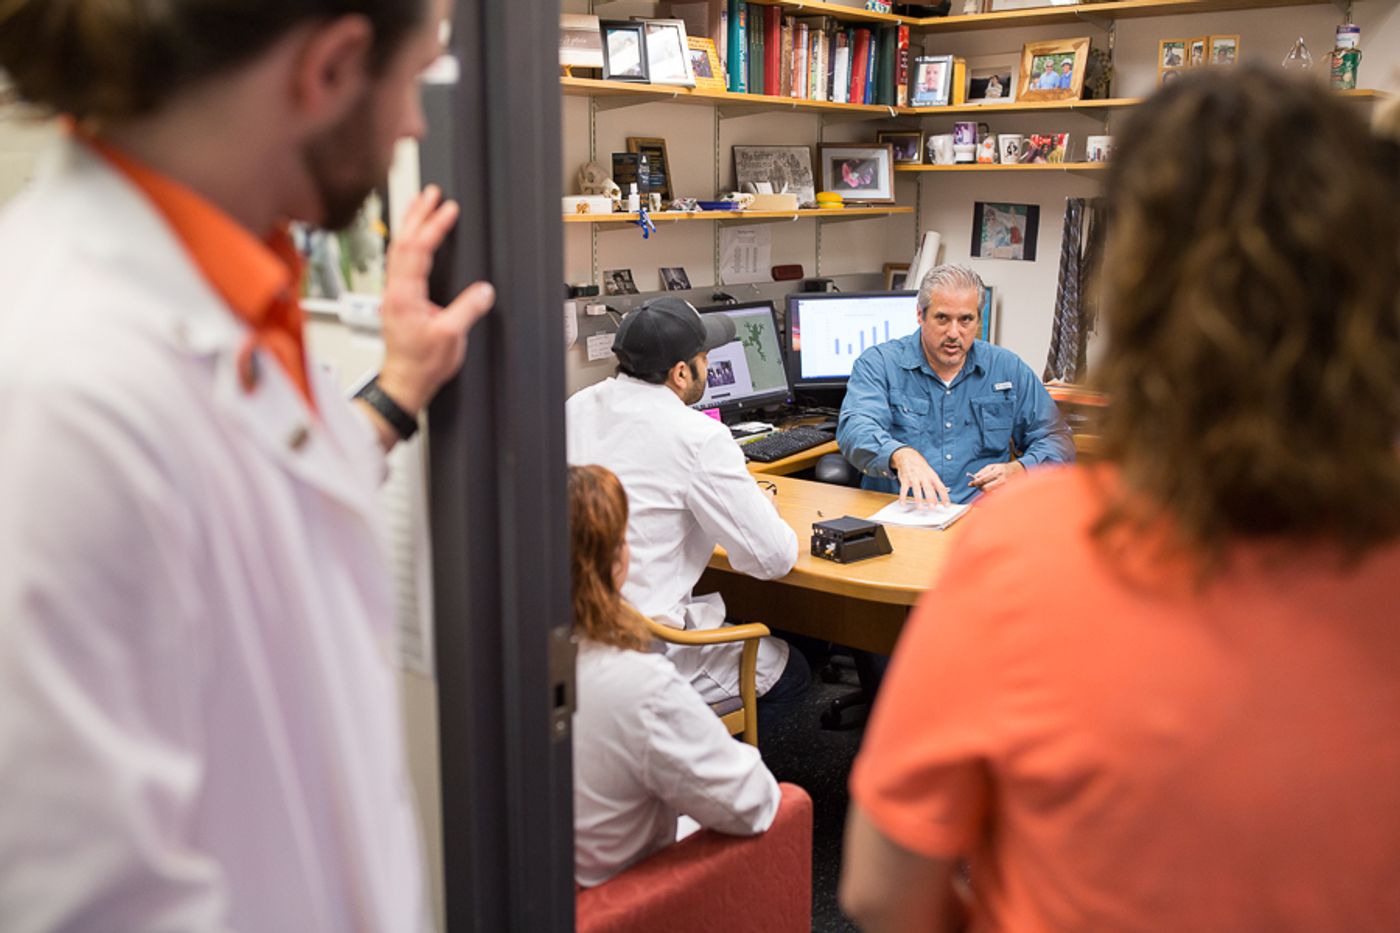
(1098, 148)
(940, 149)
(1010, 145)
(965, 153)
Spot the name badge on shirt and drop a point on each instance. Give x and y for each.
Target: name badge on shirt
(1001, 387)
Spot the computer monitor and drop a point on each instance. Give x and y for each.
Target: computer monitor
(828, 330)
(747, 373)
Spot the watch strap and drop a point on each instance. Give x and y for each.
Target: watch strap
(404, 424)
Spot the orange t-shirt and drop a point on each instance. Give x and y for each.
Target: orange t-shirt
(1148, 756)
(257, 278)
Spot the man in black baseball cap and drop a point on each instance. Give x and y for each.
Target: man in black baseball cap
(664, 333)
(688, 489)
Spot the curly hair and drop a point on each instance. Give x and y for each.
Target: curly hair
(109, 60)
(597, 530)
(1253, 350)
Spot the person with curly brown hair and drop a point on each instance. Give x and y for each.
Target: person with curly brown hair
(1162, 693)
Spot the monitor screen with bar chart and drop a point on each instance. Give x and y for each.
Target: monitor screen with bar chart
(827, 331)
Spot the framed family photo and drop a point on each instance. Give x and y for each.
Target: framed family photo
(930, 80)
(907, 145)
(1053, 69)
(858, 173)
(704, 63)
(992, 78)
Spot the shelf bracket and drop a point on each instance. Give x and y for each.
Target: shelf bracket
(1345, 7)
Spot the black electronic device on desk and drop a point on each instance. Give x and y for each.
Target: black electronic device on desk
(782, 444)
(849, 539)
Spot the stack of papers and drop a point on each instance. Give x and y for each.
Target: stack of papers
(906, 512)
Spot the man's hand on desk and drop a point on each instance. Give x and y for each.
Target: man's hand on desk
(917, 480)
(996, 474)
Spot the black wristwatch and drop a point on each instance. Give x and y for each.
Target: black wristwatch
(402, 422)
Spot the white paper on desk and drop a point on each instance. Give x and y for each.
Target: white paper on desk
(907, 513)
(746, 254)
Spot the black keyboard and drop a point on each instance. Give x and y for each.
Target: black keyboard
(782, 444)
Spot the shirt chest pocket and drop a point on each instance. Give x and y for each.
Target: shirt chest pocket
(993, 415)
(910, 415)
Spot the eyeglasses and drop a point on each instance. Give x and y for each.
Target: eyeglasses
(768, 486)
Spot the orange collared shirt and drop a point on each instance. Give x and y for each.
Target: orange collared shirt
(257, 278)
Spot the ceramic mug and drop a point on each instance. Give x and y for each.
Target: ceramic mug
(964, 134)
(965, 153)
(1098, 148)
(940, 149)
(1010, 146)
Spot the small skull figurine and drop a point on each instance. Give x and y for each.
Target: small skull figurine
(592, 179)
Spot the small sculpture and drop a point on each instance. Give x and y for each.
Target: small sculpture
(594, 179)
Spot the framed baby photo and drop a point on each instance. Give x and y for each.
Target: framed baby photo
(1053, 69)
(858, 173)
(907, 145)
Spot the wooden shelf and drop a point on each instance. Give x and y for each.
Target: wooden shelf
(650, 93)
(848, 14)
(677, 216)
(1017, 167)
(1037, 106)
(1087, 12)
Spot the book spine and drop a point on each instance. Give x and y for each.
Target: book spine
(738, 47)
(841, 73)
(786, 62)
(756, 66)
(901, 76)
(871, 64)
(799, 62)
(860, 53)
(772, 50)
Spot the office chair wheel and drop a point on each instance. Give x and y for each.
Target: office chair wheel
(833, 718)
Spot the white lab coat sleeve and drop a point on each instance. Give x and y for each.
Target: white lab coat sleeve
(728, 504)
(99, 660)
(692, 763)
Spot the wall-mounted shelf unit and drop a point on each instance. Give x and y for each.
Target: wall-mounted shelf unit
(847, 213)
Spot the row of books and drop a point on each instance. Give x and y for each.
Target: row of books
(814, 57)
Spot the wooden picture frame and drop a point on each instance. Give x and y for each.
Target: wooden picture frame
(858, 172)
(1042, 74)
(654, 148)
(705, 65)
(580, 41)
(668, 53)
(988, 73)
(1223, 47)
(907, 145)
(624, 51)
(930, 80)
(896, 276)
(1197, 53)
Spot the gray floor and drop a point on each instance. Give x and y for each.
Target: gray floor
(819, 760)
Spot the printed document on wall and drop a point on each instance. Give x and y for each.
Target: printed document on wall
(746, 255)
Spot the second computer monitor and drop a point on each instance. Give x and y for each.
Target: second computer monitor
(828, 330)
(747, 373)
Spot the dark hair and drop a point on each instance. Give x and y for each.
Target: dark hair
(597, 529)
(1253, 352)
(110, 60)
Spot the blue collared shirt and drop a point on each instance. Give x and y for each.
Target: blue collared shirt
(894, 399)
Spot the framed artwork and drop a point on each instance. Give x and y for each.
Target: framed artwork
(988, 314)
(858, 173)
(775, 170)
(1224, 50)
(624, 51)
(618, 282)
(580, 41)
(907, 145)
(658, 167)
(896, 276)
(1053, 69)
(1005, 231)
(674, 279)
(930, 80)
(1196, 51)
(992, 78)
(704, 63)
(668, 53)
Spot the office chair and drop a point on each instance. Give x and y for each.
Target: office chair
(739, 714)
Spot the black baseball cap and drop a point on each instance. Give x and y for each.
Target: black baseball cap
(666, 331)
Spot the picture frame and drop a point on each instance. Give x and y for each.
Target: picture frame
(1171, 53)
(624, 51)
(930, 80)
(704, 63)
(1005, 231)
(580, 41)
(1223, 50)
(1196, 51)
(776, 170)
(907, 145)
(988, 312)
(674, 278)
(668, 53)
(1043, 74)
(896, 276)
(618, 282)
(858, 172)
(658, 166)
(992, 79)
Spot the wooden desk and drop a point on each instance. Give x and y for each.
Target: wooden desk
(796, 463)
(861, 605)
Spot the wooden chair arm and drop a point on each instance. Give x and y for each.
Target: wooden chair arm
(714, 636)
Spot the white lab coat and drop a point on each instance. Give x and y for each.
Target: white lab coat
(199, 727)
(688, 489)
(646, 749)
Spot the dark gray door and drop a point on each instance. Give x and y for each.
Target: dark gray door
(499, 519)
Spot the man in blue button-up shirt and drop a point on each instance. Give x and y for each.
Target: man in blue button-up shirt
(933, 414)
